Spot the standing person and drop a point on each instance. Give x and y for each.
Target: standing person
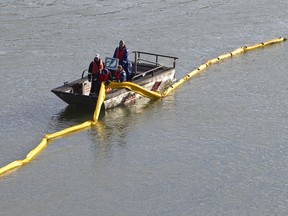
(120, 74)
(121, 52)
(93, 72)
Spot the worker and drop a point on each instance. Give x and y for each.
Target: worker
(94, 71)
(122, 53)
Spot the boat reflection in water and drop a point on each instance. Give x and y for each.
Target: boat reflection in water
(117, 124)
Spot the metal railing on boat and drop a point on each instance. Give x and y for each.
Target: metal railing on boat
(137, 58)
(138, 76)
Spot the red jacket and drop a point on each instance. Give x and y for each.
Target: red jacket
(95, 67)
(117, 75)
(121, 54)
(103, 77)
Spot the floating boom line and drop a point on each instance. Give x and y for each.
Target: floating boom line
(133, 87)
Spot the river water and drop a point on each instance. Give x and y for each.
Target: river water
(216, 146)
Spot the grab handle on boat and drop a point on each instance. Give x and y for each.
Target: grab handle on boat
(83, 73)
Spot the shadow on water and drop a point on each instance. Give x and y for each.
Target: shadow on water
(72, 115)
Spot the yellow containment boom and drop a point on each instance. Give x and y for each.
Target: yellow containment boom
(154, 95)
(100, 100)
(133, 87)
(43, 144)
(218, 59)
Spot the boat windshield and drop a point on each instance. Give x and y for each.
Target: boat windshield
(111, 63)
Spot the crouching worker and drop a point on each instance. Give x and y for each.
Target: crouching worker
(102, 76)
(120, 74)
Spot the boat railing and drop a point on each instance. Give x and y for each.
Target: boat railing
(84, 73)
(138, 57)
(151, 71)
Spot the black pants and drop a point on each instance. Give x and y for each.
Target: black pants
(95, 85)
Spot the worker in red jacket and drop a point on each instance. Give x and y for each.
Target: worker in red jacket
(104, 75)
(93, 72)
(120, 74)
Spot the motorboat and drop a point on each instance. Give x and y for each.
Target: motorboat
(154, 72)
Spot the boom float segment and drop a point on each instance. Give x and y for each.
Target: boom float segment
(68, 130)
(36, 151)
(133, 87)
(100, 100)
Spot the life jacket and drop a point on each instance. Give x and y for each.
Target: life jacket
(120, 76)
(120, 53)
(103, 77)
(117, 75)
(96, 66)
